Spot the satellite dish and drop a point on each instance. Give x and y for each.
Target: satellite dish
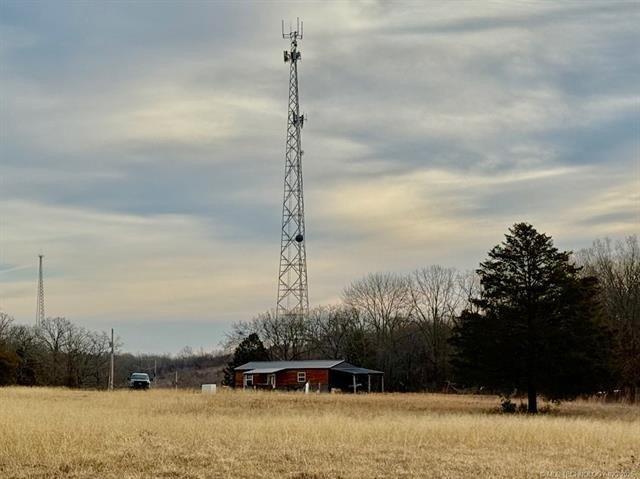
(299, 238)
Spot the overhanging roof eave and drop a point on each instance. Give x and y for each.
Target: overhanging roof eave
(357, 371)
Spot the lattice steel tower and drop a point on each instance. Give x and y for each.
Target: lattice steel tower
(293, 299)
(40, 301)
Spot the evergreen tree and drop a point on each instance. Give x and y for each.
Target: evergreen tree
(250, 348)
(537, 325)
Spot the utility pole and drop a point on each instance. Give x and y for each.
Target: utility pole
(111, 365)
(293, 298)
(40, 300)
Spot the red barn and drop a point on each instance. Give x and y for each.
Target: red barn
(321, 375)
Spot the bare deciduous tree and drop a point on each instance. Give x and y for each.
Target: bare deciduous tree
(98, 347)
(617, 267)
(53, 334)
(5, 324)
(383, 300)
(436, 298)
(329, 331)
(285, 338)
(469, 288)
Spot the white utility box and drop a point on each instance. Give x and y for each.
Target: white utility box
(208, 389)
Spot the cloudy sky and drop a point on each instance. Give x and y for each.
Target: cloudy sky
(142, 147)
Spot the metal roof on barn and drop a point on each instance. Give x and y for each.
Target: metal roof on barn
(309, 364)
(266, 367)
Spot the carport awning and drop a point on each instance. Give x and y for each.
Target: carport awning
(263, 371)
(355, 370)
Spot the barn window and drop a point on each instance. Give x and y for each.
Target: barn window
(249, 379)
(302, 377)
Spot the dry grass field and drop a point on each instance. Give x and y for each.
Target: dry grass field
(55, 433)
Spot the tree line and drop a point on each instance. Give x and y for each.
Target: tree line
(61, 353)
(530, 320)
(57, 353)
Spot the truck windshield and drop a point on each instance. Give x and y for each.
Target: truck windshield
(139, 376)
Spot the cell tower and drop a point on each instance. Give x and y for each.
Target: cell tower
(293, 299)
(40, 301)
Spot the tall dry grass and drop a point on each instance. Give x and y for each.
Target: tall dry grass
(50, 433)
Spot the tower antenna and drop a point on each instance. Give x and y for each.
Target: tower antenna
(293, 298)
(40, 301)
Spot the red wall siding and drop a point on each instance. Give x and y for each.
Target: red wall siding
(289, 377)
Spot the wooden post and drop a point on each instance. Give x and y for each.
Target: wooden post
(355, 386)
(111, 368)
(382, 379)
(368, 382)
(176, 379)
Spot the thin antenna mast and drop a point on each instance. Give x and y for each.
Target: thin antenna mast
(293, 298)
(40, 300)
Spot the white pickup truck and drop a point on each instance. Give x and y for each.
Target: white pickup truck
(139, 381)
